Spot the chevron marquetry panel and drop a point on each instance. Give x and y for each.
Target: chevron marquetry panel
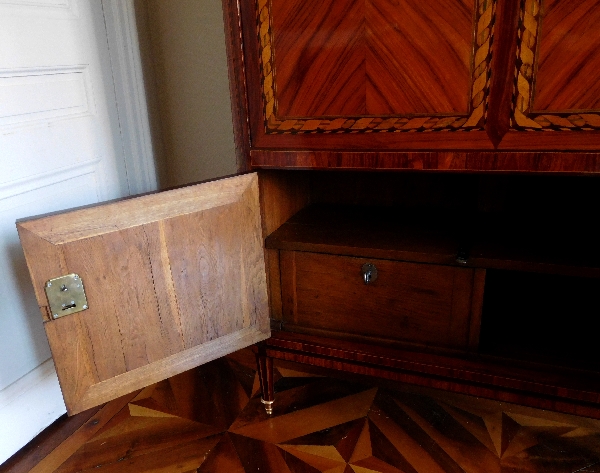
(557, 76)
(374, 65)
(418, 56)
(319, 57)
(211, 420)
(568, 74)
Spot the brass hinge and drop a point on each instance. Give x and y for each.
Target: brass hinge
(66, 295)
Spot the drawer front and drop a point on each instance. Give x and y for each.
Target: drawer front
(420, 303)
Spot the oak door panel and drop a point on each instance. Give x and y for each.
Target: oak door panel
(172, 280)
(420, 303)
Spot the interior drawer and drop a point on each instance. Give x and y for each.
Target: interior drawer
(421, 303)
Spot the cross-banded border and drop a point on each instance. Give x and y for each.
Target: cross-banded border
(523, 87)
(485, 20)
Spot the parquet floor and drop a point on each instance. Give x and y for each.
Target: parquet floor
(211, 420)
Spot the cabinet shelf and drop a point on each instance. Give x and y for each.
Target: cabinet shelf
(547, 244)
(370, 232)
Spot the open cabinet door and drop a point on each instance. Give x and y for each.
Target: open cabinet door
(172, 280)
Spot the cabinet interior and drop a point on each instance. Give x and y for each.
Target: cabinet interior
(548, 318)
(534, 238)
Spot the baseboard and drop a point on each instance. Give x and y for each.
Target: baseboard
(27, 407)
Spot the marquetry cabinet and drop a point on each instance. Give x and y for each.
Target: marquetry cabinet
(461, 279)
(376, 84)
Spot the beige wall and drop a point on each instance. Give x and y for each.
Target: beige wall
(185, 69)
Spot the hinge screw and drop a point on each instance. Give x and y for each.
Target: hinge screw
(84, 307)
(48, 284)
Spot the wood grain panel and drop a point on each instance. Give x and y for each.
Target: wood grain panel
(100, 219)
(419, 303)
(120, 341)
(282, 194)
(319, 57)
(418, 57)
(213, 306)
(541, 162)
(172, 280)
(568, 66)
(556, 75)
(373, 65)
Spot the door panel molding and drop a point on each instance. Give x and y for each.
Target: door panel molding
(63, 9)
(28, 89)
(46, 179)
(39, 3)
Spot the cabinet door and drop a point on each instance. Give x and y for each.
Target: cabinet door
(556, 77)
(368, 74)
(172, 280)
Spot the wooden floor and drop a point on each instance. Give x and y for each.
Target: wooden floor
(211, 420)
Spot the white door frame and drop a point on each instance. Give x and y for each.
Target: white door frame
(130, 94)
(35, 400)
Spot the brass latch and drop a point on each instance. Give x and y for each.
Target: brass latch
(66, 295)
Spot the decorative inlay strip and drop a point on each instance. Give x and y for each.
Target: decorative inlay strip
(522, 119)
(475, 120)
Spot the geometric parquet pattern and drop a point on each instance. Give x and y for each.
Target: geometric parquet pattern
(211, 420)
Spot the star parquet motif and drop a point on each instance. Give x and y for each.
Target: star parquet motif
(211, 420)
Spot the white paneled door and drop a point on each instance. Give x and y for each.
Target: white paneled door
(60, 147)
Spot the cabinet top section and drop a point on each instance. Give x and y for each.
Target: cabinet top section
(385, 78)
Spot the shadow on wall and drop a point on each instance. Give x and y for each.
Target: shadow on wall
(185, 68)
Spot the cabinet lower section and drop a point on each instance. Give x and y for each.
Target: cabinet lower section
(533, 386)
(500, 306)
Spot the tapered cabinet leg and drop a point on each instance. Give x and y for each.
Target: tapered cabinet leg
(265, 376)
